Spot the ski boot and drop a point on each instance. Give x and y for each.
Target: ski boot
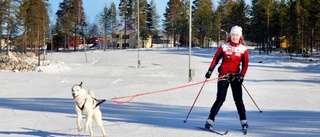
(208, 124)
(245, 126)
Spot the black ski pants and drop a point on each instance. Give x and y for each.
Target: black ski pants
(236, 88)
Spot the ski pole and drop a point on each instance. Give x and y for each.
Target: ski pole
(252, 99)
(195, 101)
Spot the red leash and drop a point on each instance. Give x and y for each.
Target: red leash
(131, 97)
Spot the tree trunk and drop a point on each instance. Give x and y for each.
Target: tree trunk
(8, 28)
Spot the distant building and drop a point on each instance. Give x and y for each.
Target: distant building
(123, 41)
(128, 41)
(160, 38)
(3, 41)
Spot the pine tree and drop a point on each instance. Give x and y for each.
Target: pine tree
(114, 23)
(146, 20)
(8, 16)
(79, 19)
(172, 18)
(105, 21)
(65, 18)
(2, 12)
(203, 16)
(126, 12)
(155, 17)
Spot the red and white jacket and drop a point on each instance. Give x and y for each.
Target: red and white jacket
(232, 55)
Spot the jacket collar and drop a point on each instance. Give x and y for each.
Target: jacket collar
(234, 44)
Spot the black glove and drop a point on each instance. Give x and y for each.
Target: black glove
(236, 78)
(208, 74)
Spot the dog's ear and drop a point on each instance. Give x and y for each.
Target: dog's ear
(80, 84)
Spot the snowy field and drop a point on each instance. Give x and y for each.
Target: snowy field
(40, 103)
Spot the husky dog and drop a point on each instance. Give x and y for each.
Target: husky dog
(86, 103)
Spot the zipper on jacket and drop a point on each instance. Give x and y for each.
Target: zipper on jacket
(232, 58)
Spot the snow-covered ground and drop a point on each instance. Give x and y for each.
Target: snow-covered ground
(40, 103)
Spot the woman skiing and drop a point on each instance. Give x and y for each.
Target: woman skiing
(234, 55)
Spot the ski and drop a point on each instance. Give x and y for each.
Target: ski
(212, 131)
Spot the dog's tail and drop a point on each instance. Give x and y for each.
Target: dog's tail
(91, 93)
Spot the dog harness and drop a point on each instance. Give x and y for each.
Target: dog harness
(82, 107)
(93, 99)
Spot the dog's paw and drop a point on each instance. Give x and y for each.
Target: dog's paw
(79, 129)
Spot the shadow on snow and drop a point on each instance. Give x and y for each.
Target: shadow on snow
(269, 123)
(34, 132)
